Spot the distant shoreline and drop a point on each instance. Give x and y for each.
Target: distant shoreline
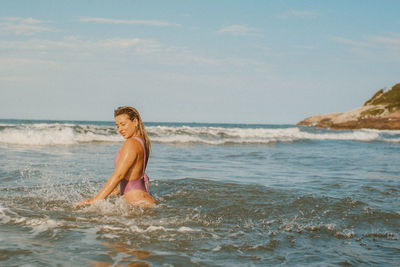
(381, 112)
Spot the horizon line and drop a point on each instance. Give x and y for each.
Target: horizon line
(183, 122)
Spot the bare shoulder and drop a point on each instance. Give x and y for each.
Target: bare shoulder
(132, 145)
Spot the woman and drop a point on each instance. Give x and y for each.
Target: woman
(130, 162)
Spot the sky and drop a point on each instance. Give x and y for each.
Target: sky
(269, 62)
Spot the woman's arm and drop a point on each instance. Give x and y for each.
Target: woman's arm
(126, 160)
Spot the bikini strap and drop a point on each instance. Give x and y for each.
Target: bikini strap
(145, 177)
(144, 151)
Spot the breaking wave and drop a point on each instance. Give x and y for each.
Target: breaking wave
(75, 133)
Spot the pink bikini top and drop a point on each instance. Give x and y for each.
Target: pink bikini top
(142, 183)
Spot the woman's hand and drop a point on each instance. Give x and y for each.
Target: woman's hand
(88, 201)
(127, 158)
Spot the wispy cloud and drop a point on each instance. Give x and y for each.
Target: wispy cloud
(19, 69)
(351, 42)
(157, 23)
(388, 46)
(141, 45)
(387, 41)
(75, 49)
(306, 47)
(302, 14)
(239, 30)
(372, 41)
(24, 26)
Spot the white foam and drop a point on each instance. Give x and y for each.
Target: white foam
(217, 248)
(110, 236)
(55, 134)
(110, 228)
(154, 228)
(151, 228)
(184, 229)
(35, 137)
(220, 135)
(42, 225)
(70, 134)
(38, 225)
(389, 132)
(3, 217)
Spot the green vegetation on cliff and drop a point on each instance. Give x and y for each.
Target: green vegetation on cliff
(381, 111)
(390, 99)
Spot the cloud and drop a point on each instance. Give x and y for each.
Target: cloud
(141, 45)
(351, 42)
(239, 30)
(302, 14)
(372, 41)
(24, 26)
(387, 41)
(8, 61)
(124, 50)
(157, 23)
(193, 57)
(306, 47)
(383, 46)
(19, 69)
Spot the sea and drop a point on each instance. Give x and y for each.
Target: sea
(227, 195)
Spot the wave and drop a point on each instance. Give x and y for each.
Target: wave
(56, 134)
(70, 134)
(221, 135)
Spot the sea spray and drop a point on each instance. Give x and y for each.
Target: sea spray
(227, 195)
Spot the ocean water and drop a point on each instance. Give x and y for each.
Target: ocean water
(228, 195)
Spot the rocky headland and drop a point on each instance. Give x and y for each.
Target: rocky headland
(381, 111)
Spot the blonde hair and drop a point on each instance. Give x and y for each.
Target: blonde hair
(134, 114)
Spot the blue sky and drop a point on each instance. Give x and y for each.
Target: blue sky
(195, 61)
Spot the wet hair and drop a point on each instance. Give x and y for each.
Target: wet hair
(134, 114)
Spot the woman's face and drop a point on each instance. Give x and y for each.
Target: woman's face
(125, 126)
